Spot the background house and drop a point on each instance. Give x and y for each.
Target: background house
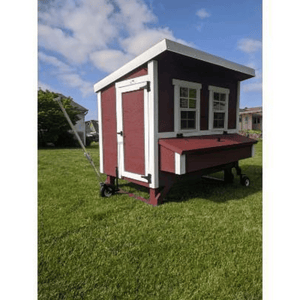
(91, 127)
(80, 124)
(250, 118)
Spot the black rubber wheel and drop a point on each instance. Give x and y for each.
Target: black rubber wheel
(245, 181)
(106, 191)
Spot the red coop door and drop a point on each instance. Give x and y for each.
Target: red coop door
(133, 132)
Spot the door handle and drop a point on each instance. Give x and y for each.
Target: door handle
(120, 133)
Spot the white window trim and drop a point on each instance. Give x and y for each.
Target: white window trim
(215, 89)
(193, 85)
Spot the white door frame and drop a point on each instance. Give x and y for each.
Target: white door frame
(123, 87)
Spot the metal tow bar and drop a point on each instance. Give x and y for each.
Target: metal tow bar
(103, 186)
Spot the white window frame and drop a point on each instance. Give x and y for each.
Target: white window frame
(215, 89)
(177, 110)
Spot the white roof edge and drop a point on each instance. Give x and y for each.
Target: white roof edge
(131, 65)
(176, 48)
(204, 56)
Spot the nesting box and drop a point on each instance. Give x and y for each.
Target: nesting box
(170, 114)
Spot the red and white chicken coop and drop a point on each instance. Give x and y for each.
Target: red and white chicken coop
(171, 114)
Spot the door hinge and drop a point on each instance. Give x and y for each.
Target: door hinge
(148, 177)
(147, 86)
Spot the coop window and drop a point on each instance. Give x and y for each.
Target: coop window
(218, 107)
(187, 105)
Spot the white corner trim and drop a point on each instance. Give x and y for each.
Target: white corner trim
(101, 168)
(238, 105)
(167, 45)
(252, 150)
(180, 164)
(153, 124)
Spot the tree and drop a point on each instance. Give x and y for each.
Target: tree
(52, 124)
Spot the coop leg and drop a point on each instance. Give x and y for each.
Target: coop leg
(110, 180)
(228, 176)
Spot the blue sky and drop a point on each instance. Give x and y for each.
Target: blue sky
(82, 41)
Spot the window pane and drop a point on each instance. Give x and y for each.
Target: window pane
(183, 103)
(216, 105)
(222, 97)
(183, 124)
(192, 93)
(216, 96)
(191, 124)
(222, 106)
(219, 116)
(184, 92)
(221, 123)
(192, 103)
(191, 115)
(183, 115)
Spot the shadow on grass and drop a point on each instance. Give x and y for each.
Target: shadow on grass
(216, 190)
(212, 190)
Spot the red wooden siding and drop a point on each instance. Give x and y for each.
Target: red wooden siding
(140, 71)
(109, 129)
(167, 160)
(175, 66)
(133, 132)
(195, 162)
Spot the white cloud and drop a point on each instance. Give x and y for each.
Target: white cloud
(134, 15)
(109, 60)
(75, 81)
(140, 42)
(252, 87)
(202, 13)
(44, 86)
(75, 29)
(85, 29)
(52, 60)
(67, 74)
(249, 45)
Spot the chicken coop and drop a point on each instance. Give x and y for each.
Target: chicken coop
(171, 114)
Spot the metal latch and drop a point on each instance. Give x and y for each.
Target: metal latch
(147, 86)
(148, 177)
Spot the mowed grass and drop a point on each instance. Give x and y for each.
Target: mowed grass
(205, 242)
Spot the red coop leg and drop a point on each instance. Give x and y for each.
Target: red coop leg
(156, 196)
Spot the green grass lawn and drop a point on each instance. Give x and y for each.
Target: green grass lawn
(205, 242)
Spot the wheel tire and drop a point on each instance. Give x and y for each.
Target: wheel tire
(106, 191)
(245, 181)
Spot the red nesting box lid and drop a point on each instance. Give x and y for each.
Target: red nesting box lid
(205, 142)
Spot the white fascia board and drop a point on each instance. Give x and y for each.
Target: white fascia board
(167, 45)
(180, 164)
(133, 64)
(200, 55)
(101, 161)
